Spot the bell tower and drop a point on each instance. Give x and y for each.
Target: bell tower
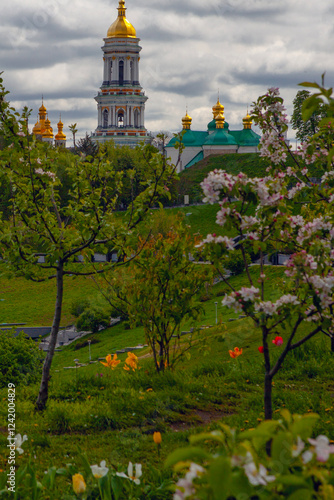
(121, 99)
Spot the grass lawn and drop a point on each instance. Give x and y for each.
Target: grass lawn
(112, 417)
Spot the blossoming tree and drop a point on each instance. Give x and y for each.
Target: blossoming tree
(42, 223)
(291, 214)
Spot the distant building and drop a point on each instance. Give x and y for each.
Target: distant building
(121, 100)
(44, 132)
(218, 139)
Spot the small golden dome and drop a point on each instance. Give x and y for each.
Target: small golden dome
(121, 27)
(60, 136)
(186, 121)
(247, 121)
(48, 132)
(37, 128)
(217, 108)
(220, 120)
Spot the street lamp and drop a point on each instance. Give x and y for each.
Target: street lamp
(216, 304)
(90, 357)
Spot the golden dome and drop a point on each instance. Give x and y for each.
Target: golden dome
(37, 128)
(121, 27)
(247, 121)
(48, 132)
(60, 136)
(186, 121)
(220, 120)
(217, 108)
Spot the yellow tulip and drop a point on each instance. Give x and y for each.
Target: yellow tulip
(157, 437)
(79, 485)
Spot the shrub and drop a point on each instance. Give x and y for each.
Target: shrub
(235, 262)
(78, 306)
(277, 460)
(20, 359)
(59, 419)
(92, 319)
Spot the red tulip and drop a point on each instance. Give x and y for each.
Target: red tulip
(278, 341)
(260, 349)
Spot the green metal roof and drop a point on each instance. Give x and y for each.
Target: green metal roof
(246, 137)
(191, 138)
(220, 138)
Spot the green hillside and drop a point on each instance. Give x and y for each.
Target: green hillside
(251, 164)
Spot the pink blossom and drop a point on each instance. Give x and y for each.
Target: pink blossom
(322, 448)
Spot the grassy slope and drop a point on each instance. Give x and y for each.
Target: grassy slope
(250, 164)
(33, 303)
(112, 417)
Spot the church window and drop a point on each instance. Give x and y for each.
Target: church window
(120, 119)
(121, 72)
(105, 118)
(111, 71)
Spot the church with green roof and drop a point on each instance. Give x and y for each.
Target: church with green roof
(217, 140)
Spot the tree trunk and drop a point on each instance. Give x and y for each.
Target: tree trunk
(332, 343)
(268, 411)
(44, 388)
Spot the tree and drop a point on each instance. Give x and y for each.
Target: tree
(87, 146)
(292, 214)
(159, 291)
(305, 128)
(41, 223)
(74, 130)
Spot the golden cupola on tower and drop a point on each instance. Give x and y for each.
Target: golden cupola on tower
(217, 109)
(121, 28)
(48, 132)
(60, 136)
(186, 121)
(247, 121)
(220, 120)
(37, 128)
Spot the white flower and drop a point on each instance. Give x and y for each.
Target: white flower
(322, 448)
(185, 488)
(249, 293)
(99, 471)
(267, 307)
(297, 448)
(257, 476)
(19, 440)
(134, 478)
(307, 456)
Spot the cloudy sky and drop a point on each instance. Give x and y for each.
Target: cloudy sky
(191, 48)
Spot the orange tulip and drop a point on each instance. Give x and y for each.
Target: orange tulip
(235, 353)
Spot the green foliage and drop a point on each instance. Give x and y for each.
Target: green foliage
(310, 126)
(87, 146)
(274, 460)
(92, 319)
(159, 291)
(235, 263)
(20, 359)
(78, 306)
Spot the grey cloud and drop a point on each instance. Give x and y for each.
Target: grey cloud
(282, 80)
(226, 8)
